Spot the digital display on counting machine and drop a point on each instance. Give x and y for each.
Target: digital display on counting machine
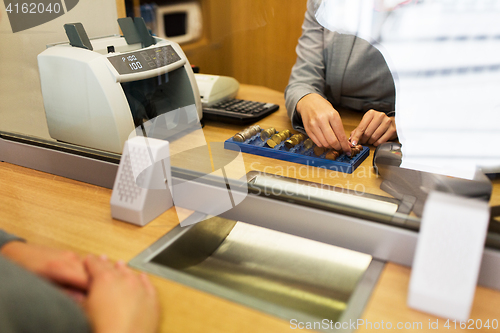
(141, 61)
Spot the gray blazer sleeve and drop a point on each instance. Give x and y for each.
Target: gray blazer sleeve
(308, 73)
(5, 238)
(31, 304)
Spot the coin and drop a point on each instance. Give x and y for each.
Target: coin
(276, 138)
(267, 133)
(294, 140)
(290, 143)
(308, 144)
(281, 136)
(247, 133)
(239, 137)
(271, 143)
(318, 151)
(332, 155)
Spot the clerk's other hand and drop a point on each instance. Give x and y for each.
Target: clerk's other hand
(375, 128)
(323, 123)
(120, 300)
(63, 268)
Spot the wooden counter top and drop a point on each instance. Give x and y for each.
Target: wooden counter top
(67, 214)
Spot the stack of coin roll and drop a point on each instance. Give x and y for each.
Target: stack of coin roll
(318, 151)
(332, 155)
(308, 144)
(267, 133)
(295, 140)
(356, 150)
(277, 138)
(247, 133)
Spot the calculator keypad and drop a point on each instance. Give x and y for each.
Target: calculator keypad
(239, 110)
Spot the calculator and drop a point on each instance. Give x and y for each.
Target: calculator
(238, 111)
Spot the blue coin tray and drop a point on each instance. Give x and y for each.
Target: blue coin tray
(297, 154)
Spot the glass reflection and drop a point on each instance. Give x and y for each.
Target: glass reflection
(442, 56)
(254, 41)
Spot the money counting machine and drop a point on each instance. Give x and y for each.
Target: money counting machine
(96, 92)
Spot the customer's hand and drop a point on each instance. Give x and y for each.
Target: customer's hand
(322, 123)
(375, 128)
(119, 300)
(64, 268)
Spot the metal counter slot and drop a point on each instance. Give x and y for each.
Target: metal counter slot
(281, 274)
(284, 185)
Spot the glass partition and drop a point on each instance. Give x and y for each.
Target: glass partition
(253, 41)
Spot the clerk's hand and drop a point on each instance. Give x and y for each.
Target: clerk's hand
(63, 268)
(375, 128)
(322, 123)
